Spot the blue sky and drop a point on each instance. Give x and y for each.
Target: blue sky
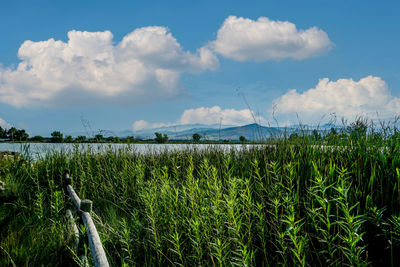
(123, 65)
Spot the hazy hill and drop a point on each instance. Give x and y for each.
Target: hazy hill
(252, 131)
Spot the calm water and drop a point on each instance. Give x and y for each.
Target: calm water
(40, 149)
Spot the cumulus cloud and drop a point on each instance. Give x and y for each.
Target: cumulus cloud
(142, 124)
(4, 124)
(346, 98)
(207, 115)
(90, 69)
(244, 39)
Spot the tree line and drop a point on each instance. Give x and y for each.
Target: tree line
(356, 130)
(20, 135)
(13, 134)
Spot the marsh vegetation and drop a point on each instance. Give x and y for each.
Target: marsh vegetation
(292, 204)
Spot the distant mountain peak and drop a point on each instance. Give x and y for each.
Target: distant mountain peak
(252, 131)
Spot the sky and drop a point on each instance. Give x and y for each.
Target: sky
(132, 65)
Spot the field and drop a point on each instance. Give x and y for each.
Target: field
(291, 204)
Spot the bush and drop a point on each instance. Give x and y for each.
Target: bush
(196, 137)
(56, 137)
(161, 138)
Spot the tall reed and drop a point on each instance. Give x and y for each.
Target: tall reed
(295, 203)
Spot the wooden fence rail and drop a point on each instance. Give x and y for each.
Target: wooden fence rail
(84, 208)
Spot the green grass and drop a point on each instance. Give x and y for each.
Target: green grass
(293, 204)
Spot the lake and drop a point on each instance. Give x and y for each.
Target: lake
(40, 149)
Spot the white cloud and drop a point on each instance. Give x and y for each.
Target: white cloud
(90, 69)
(142, 124)
(207, 115)
(244, 39)
(346, 98)
(4, 124)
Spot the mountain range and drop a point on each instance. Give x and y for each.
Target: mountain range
(252, 131)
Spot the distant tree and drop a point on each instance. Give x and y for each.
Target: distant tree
(68, 139)
(80, 139)
(21, 135)
(242, 139)
(161, 138)
(99, 138)
(56, 137)
(37, 138)
(113, 139)
(12, 133)
(3, 132)
(130, 139)
(110, 139)
(158, 137)
(196, 137)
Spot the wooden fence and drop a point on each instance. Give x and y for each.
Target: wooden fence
(84, 209)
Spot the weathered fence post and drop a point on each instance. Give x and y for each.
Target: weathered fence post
(79, 241)
(74, 229)
(84, 208)
(67, 178)
(96, 248)
(86, 205)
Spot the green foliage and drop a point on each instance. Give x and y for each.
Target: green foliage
(294, 137)
(99, 138)
(56, 137)
(37, 138)
(68, 139)
(358, 130)
(3, 132)
(80, 139)
(242, 139)
(291, 204)
(161, 138)
(316, 135)
(22, 135)
(113, 139)
(332, 136)
(130, 139)
(14, 134)
(196, 137)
